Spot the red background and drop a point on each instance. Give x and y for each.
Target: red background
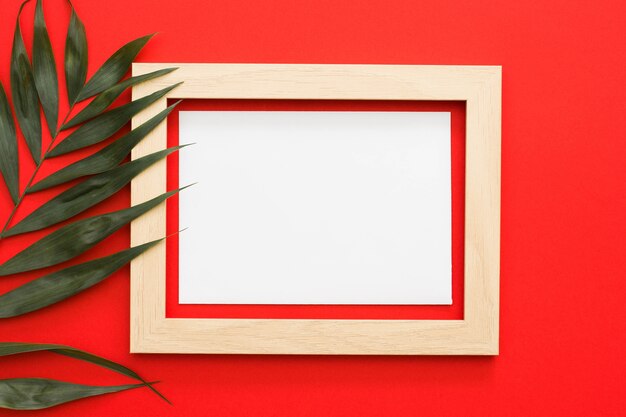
(563, 204)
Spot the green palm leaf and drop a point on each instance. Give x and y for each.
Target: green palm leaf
(75, 57)
(108, 96)
(76, 238)
(113, 69)
(106, 158)
(87, 194)
(44, 70)
(14, 348)
(107, 124)
(65, 283)
(38, 393)
(25, 98)
(8, 148)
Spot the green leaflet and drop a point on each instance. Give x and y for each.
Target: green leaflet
(14, 348)
(62, 284)
(108, 96)
(87, 194)
(107, 124)
(8, 148)
(44, 70)
(76, 238)
(113, 69)
(25, 100)
(38, 393)
(75, 57)
(106, 158)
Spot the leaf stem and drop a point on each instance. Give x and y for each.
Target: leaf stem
(32, 177)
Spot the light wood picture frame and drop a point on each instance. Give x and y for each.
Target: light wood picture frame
(476, 334)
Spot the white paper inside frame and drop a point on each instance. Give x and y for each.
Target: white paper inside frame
(315, 208)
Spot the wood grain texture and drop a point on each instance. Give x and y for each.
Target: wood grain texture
(476, 334)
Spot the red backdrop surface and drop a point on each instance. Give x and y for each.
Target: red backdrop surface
(563, 314)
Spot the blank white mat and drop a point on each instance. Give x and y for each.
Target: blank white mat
(315, 208)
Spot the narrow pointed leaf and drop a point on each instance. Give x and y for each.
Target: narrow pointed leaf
(87, 194)
(59, 285)
(14, 348)
(113, 69)
(8, 148)
(75, 57)
(39, 393)
(25, 100)
(108, 96)
(44, 70)
(107, 124)
(106, 158)
(76, 238)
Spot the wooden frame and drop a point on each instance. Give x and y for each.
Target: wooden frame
(476, 334)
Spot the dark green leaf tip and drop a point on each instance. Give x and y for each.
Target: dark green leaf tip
(22, 7)
(187, 186)
(113, 68)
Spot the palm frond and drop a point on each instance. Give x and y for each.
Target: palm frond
(37, 85)
(34, 87)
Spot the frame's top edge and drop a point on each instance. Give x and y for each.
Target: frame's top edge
(267, 64)
(322, 69)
